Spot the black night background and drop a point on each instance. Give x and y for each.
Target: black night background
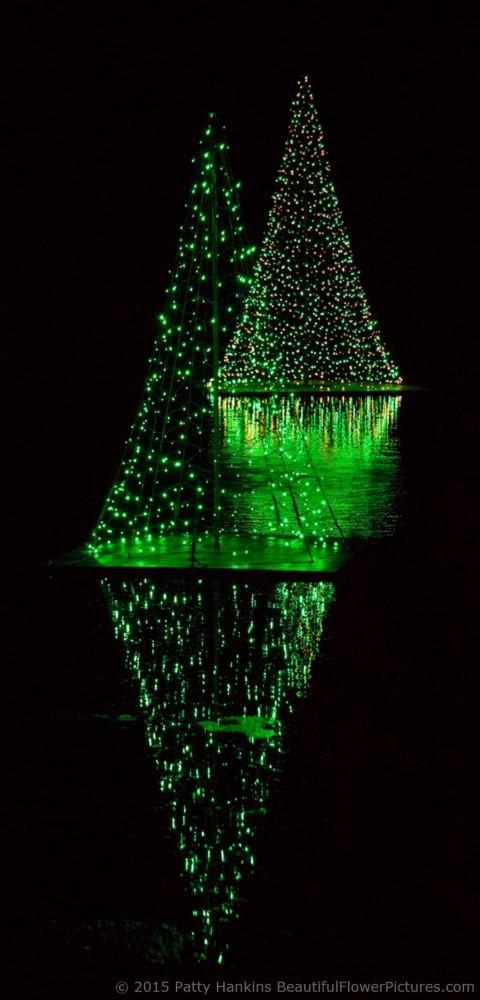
(368, 867)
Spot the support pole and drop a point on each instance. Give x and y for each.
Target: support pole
(216, 415)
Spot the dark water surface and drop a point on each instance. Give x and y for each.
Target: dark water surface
(256, 779)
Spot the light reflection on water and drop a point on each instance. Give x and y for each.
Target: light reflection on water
(219, 666)
(344, 450)
(218, 669)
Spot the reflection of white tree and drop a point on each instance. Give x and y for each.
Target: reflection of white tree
(335, 454)
(218, 673)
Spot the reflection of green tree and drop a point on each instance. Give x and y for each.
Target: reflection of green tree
(343, 450)
(218, 673)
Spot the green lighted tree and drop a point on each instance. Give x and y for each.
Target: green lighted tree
(306, 317)
(165, 480)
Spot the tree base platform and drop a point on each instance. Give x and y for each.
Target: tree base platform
(314, 388)
(238, 553)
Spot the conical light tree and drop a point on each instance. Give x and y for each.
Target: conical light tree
(306, 318)
(165, 480)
